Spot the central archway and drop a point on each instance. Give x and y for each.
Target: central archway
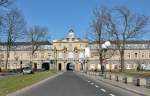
(70, 67)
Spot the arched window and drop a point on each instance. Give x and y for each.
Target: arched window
(81, 55)
(60, 55)
(70, 55)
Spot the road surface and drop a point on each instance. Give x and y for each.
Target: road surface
(71, 84)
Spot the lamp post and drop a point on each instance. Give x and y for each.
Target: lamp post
(76, 50)
(104, 49)
(55, 57)
(87, 55)
(65, 51)
(21, 66)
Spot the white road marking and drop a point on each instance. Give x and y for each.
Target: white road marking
(112, 95)
(92, 83)
(103, 90)
(89, 81)
(96, 86)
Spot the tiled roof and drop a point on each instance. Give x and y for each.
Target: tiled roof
(127, 42)
(26, 43)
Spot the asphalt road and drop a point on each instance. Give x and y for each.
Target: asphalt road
(71, 84)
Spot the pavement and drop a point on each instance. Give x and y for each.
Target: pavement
(140, 90)
(73, 84)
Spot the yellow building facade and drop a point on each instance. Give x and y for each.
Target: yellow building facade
(69, 54)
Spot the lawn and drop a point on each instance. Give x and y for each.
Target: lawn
(140, 74)
(135, 73)
(12, 84)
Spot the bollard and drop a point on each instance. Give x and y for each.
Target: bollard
(117, 78)
(125, 80)
(110, 76)
(136, 81)
(148, 83)
(105, 76)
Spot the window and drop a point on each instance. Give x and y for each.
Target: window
(3, 65)
(81, 46)
(135, 55)
(60, 45)
(2, 55)
(21, 55)
(49, 54)
(29, 54)
(42, 55)
(142, 55)
(35, 55)
(69, 46)
(60, 55)
(95, 54)
(129, 55)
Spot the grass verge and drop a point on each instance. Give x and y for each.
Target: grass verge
(135, 73)
(12, 84)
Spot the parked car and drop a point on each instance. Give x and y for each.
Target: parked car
(146, 67)
(27, 70)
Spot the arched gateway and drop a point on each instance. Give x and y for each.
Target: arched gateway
(70, 67)
(68, 52)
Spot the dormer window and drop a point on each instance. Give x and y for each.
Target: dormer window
(135, 55)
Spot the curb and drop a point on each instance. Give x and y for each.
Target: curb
(33, 85)
(126, 88)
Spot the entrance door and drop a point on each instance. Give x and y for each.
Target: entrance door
(59, 67)
(35, 66)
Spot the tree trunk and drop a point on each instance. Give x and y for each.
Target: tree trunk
(7, 56)
(101, 63)
(122, 60)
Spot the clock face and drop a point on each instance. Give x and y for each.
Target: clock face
(70, 55)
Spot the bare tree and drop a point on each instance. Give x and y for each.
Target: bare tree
(14, 28)
(124, 26)
(100, 32)
(36, 35)
(5, 3)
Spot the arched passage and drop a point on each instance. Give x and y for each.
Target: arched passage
(45, 66)
(70, 67)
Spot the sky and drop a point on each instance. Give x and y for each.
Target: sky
(62, 15)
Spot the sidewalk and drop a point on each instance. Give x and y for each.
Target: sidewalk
(129, 87)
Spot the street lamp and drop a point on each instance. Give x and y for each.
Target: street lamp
(21, 66)
(87, 55)
(76, 50)
(64, 56)
(55, 57)
(104, 47)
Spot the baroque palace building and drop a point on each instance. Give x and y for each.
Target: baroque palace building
(69, 53)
